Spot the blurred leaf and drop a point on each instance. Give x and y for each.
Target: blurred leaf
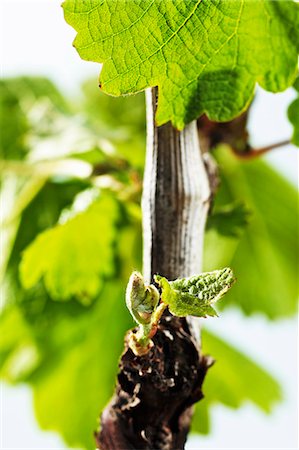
(78, 350)
(264, 260)
(229, 220)
(70, 393)
(41, 213)
(17, 98)
(45, 209)
(74, 257)
(201, 420)
(19, 355)
(68, 351)
(120, 120)
(32, 110)
(293, 114)
(232, 381)
(235, 377)
(64, 349)
(14, 125)
(114, 113)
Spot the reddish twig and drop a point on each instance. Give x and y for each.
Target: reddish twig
(251, 153)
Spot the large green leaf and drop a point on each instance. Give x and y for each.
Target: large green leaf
(73, 257)
(204, 55)
(265, 258)
(232, 381)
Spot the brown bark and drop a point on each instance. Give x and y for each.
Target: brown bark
(152, 405)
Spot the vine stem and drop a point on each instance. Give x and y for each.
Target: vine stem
(176, 199)
(152, 405)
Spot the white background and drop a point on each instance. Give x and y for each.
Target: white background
(36, 40)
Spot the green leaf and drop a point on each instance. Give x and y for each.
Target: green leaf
(205, 56)
(121, 120)
(195, 295)
(233, 380)
(229, 220)
(293, 114)
(75, 386)
(18, 98)
(201, 420)
(38, 335)
(74, 257)
(19, 355)
(68, 351)
(44, 211)
(264, 258)
(41, 213)
(78, 348)
(141, 299)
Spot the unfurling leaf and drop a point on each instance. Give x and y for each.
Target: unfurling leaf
(142, 302)
(141, 299)
(195, 295)
(184, 296)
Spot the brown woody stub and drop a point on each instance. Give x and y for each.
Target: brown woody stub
(155, 392)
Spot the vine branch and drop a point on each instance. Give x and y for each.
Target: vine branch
(152, 405)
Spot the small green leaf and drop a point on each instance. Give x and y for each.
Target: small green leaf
(141, 299)
(195, 295)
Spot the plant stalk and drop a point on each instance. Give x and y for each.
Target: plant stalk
(152, 405)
